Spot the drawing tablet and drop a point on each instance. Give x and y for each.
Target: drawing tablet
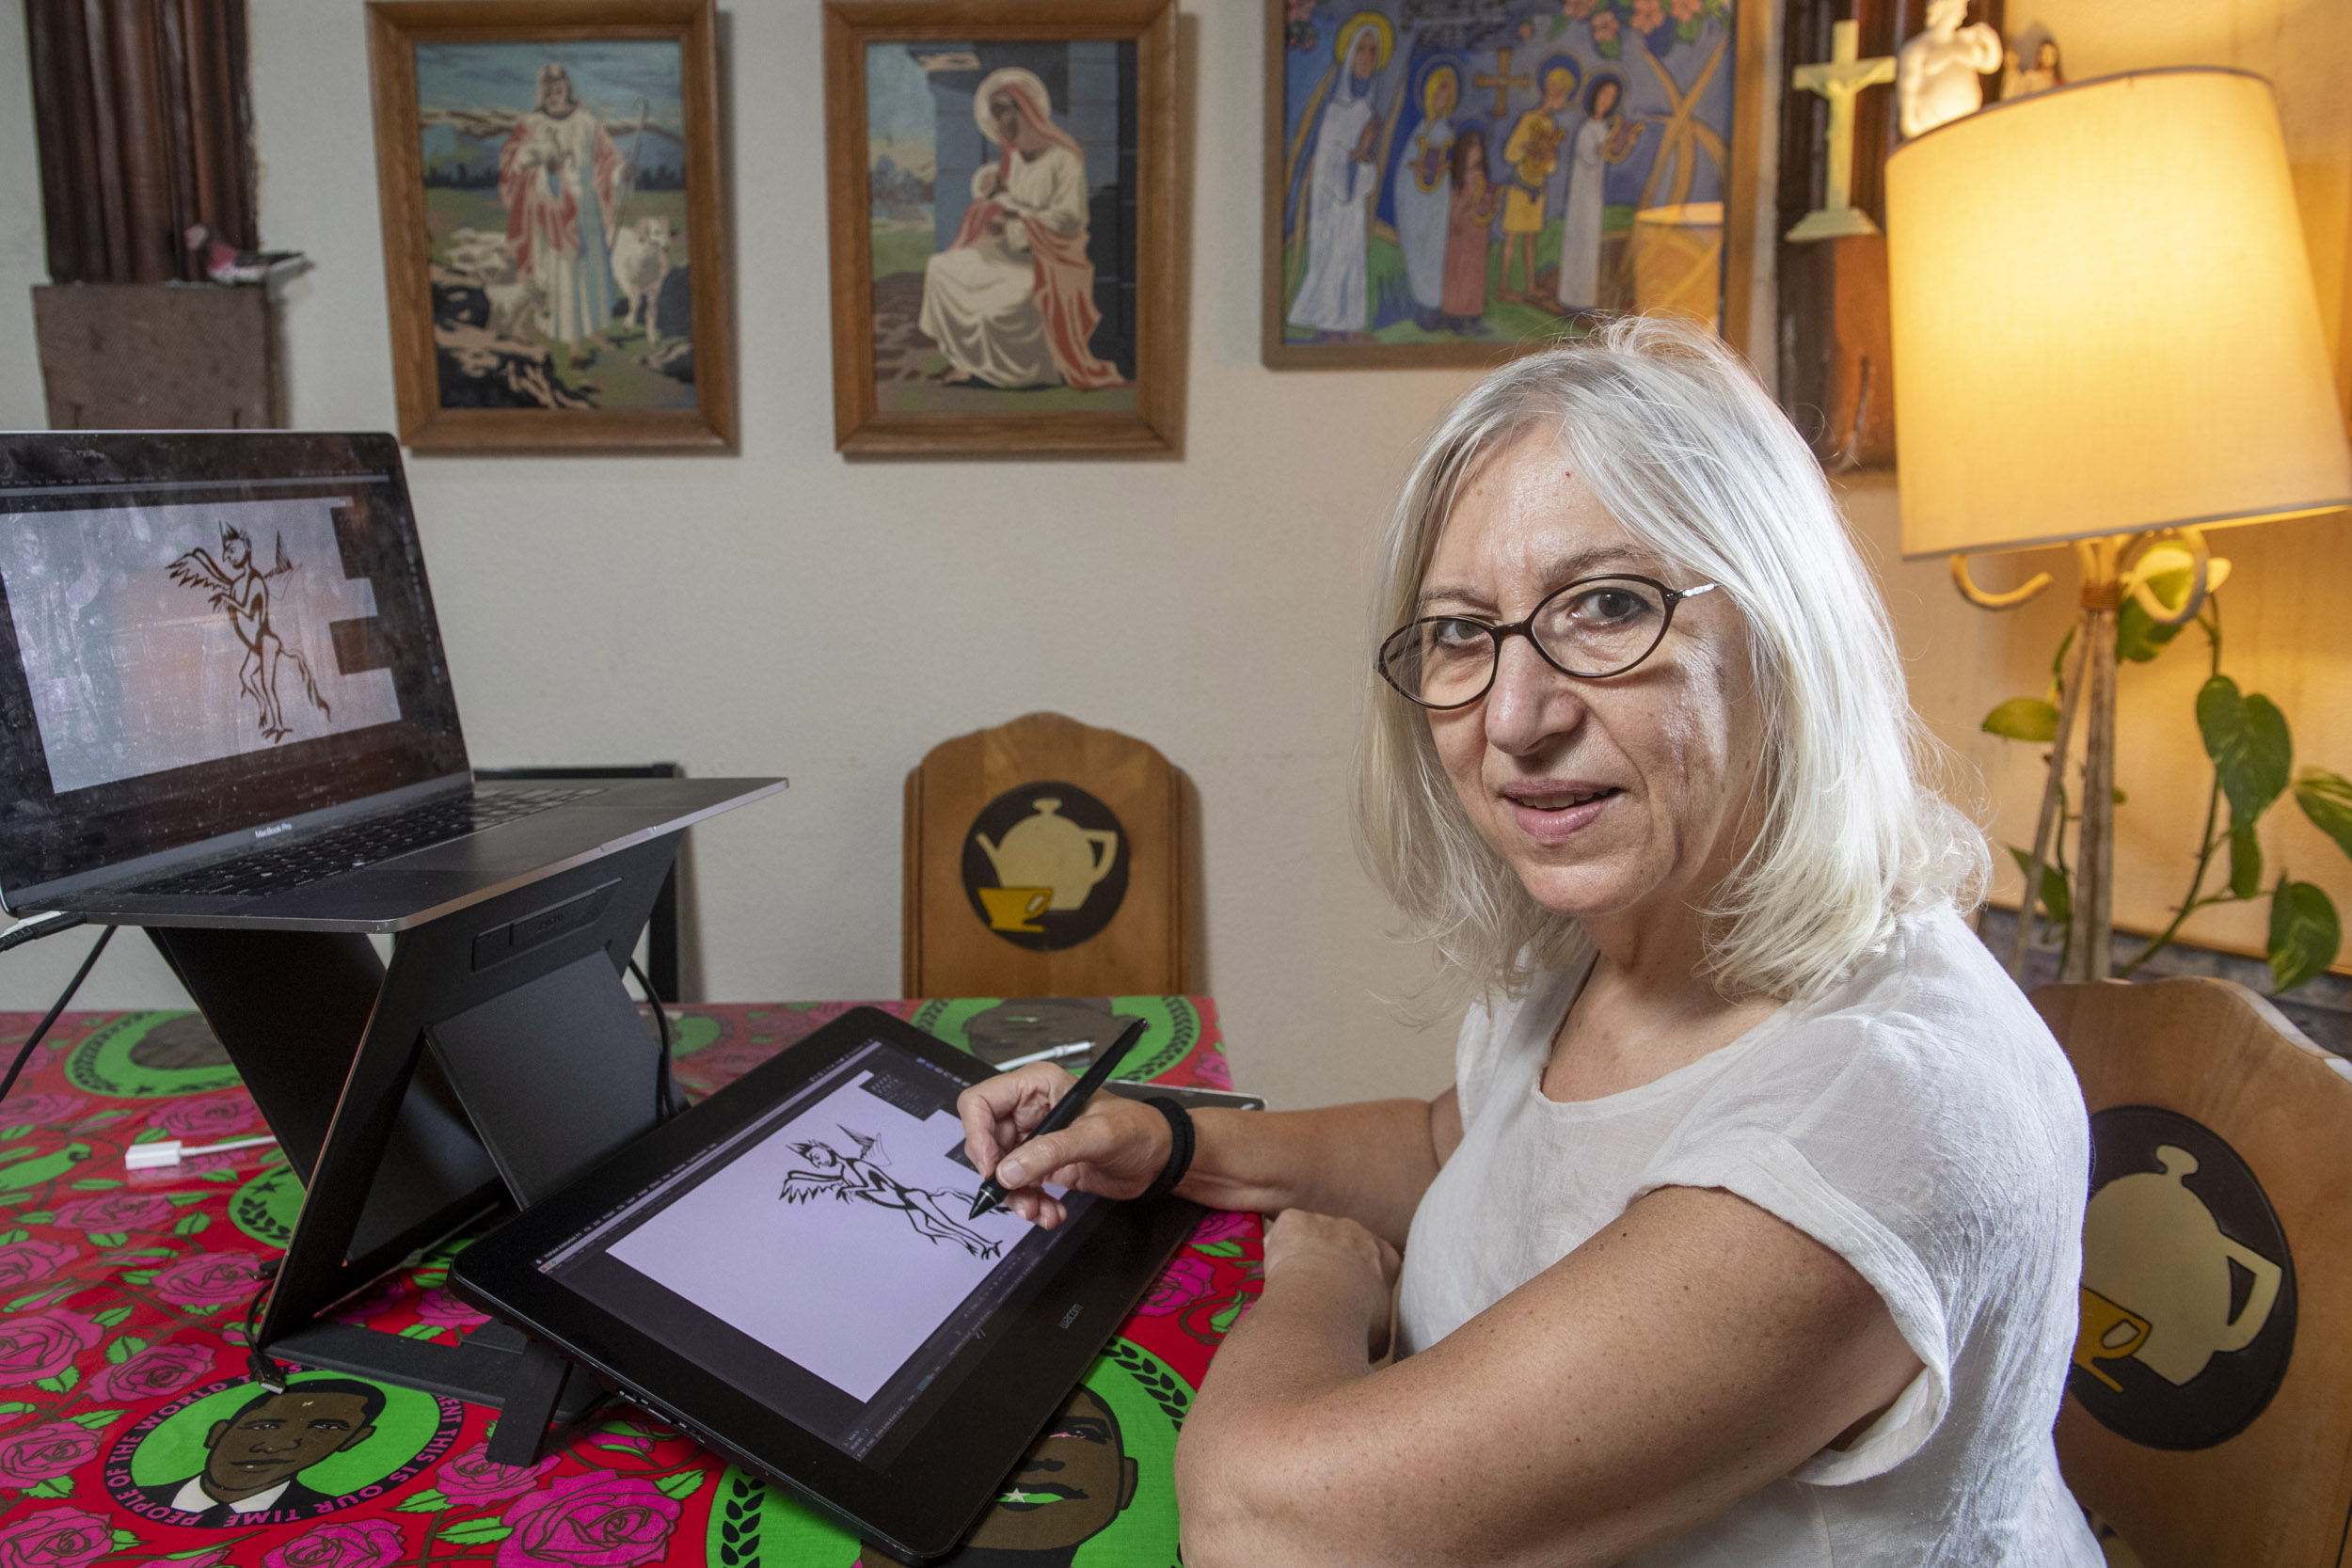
(789, 1271)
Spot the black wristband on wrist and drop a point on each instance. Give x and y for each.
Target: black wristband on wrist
(1178, 1146)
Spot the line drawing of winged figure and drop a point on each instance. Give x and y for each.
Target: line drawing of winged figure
(860, 1177)
(241, 589)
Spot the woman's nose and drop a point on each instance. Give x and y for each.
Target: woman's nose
(1530, 703)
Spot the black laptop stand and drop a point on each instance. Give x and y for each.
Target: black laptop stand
(498, 1055)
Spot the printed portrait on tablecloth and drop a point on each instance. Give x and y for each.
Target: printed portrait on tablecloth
(1092, 1492)
(239, 1454)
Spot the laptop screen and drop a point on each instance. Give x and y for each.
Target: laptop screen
(205, 632)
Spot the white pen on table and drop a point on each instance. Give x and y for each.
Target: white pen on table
(1051, 1054)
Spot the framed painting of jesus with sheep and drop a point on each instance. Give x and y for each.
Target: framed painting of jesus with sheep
(552, 242)
(1002, 201)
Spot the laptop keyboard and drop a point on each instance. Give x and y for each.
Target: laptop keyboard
(361, 844)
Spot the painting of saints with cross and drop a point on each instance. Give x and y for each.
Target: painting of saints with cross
(1453, 182)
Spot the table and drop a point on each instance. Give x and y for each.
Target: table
(122, 1294)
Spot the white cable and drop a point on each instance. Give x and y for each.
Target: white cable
(170, 1151)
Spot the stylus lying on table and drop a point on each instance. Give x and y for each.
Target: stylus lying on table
(1065, 1110)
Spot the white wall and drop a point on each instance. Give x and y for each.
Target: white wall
(783, 611)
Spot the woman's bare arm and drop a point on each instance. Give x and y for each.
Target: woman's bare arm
(1696, 1350)
(1369, 1162)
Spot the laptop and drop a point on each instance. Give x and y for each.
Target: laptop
(224, 700)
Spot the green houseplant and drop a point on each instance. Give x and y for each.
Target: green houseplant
(2247, 742)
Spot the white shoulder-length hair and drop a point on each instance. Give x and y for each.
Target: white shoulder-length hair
(1677, 440)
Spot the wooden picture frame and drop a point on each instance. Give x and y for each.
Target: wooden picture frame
(544, 321)
(1727, 40)
(1098, 367)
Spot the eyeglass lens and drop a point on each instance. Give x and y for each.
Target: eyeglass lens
(1599, 628)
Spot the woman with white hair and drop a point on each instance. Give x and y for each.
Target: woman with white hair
(1749, 1232)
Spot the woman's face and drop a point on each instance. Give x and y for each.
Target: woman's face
(1007, 114)
(1367, 57)
(1605, 101)
(1608, 797)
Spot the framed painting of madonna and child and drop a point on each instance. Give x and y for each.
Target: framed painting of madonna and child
(1002, 201)
(553, 240)
(1454, 181)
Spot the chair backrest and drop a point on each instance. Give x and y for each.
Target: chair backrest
(1047, 858)
(2208, 1415)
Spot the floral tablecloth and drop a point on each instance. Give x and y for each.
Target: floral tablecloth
(123, 1379)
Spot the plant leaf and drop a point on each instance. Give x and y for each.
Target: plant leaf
(2304, 934)
(2057, 900)
(122, 1349)
(2023, 718)
(111, 1316)
(429, 1501)
(680, 1484)
(2246, 861)
(2246, 738)
(96, 1420)
(476, 1532)
(2327, 800)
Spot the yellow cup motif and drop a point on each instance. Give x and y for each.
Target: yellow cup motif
(2108, 1332)
(1012, 908)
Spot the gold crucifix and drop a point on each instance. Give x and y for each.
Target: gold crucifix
(1838, 79)
(1503, 81)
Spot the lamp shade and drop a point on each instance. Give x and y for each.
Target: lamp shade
(2104, 320)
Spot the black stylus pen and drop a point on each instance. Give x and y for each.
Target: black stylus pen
(1065, 1110)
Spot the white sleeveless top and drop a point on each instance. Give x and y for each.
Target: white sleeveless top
(1921, 1121)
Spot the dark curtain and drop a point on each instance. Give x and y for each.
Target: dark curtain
(144, 129)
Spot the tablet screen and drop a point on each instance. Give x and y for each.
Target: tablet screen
(822, 1259)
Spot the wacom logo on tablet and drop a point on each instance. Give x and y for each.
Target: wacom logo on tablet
(1071, 1316)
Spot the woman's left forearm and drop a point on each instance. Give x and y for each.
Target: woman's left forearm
(1308, 1337)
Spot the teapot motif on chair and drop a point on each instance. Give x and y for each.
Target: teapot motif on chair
(2151, 1247)
(1047, 849)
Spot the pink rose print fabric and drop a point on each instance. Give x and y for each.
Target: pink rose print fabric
(361, 1544)
(31, 1455)
(123, 1295)
(590, 1521)
(201, 1120)
(154, 1373)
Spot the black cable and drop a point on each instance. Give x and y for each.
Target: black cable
(665, 1091)
(264, 1366)
(35, 926)
(24, 1053)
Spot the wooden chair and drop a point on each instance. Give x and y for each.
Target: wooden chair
(2208, 1415)
(1045, 858)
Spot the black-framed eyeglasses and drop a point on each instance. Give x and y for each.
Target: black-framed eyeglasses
(1591, 628)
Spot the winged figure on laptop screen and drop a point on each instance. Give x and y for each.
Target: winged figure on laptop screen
(241, 588)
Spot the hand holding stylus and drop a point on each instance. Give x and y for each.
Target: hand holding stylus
(1033, 1126)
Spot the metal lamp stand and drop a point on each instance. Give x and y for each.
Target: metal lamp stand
(2101, 564)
